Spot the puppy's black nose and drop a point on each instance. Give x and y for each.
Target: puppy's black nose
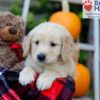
(41, 57)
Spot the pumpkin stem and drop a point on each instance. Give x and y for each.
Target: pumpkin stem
(65, 5)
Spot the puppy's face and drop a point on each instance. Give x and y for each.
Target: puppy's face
(47, 43)
(46, 47)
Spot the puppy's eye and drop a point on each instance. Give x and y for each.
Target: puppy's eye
(36, 42)
(53, 44)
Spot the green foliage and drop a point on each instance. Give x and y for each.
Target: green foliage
(33, 21)
(90, 93)
(80, 15)
(83, 57)
(16, 7)
(39, 11)
(30, 19)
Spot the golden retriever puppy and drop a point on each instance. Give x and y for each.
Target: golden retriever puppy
(49, 51)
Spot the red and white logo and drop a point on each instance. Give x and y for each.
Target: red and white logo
(91, 8)
(87, 5)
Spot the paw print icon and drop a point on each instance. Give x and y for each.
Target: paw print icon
(87, 5)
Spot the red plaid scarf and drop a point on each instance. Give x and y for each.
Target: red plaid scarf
(10, 89)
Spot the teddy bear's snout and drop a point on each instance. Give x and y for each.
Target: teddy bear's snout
(13, 30)
(9, 33)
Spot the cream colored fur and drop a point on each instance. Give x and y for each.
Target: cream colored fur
(59, 59)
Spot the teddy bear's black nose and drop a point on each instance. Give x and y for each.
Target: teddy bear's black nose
(12, 30)
(41, 57)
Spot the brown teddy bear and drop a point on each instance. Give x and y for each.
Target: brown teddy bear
(11, 32)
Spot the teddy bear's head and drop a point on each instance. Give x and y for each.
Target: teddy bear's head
(11, 27)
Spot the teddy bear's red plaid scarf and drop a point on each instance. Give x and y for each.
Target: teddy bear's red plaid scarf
(10, 89)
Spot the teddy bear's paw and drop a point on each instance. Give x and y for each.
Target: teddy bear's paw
(44, 82)
(26, 76)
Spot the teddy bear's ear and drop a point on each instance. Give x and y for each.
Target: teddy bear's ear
(20, 19)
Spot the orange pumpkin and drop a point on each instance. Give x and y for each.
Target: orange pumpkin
(68, 19)
(82, 80)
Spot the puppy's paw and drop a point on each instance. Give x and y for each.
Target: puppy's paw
(26, 76)
(44, 81)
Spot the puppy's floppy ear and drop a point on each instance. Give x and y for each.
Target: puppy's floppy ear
(67, 48)
(26, 44)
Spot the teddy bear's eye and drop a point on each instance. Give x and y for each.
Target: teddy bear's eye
(15, 25)
(53, 44)
(8, 24)
(37, 42)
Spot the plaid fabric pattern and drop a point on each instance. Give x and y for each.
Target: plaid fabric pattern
(10, 89)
